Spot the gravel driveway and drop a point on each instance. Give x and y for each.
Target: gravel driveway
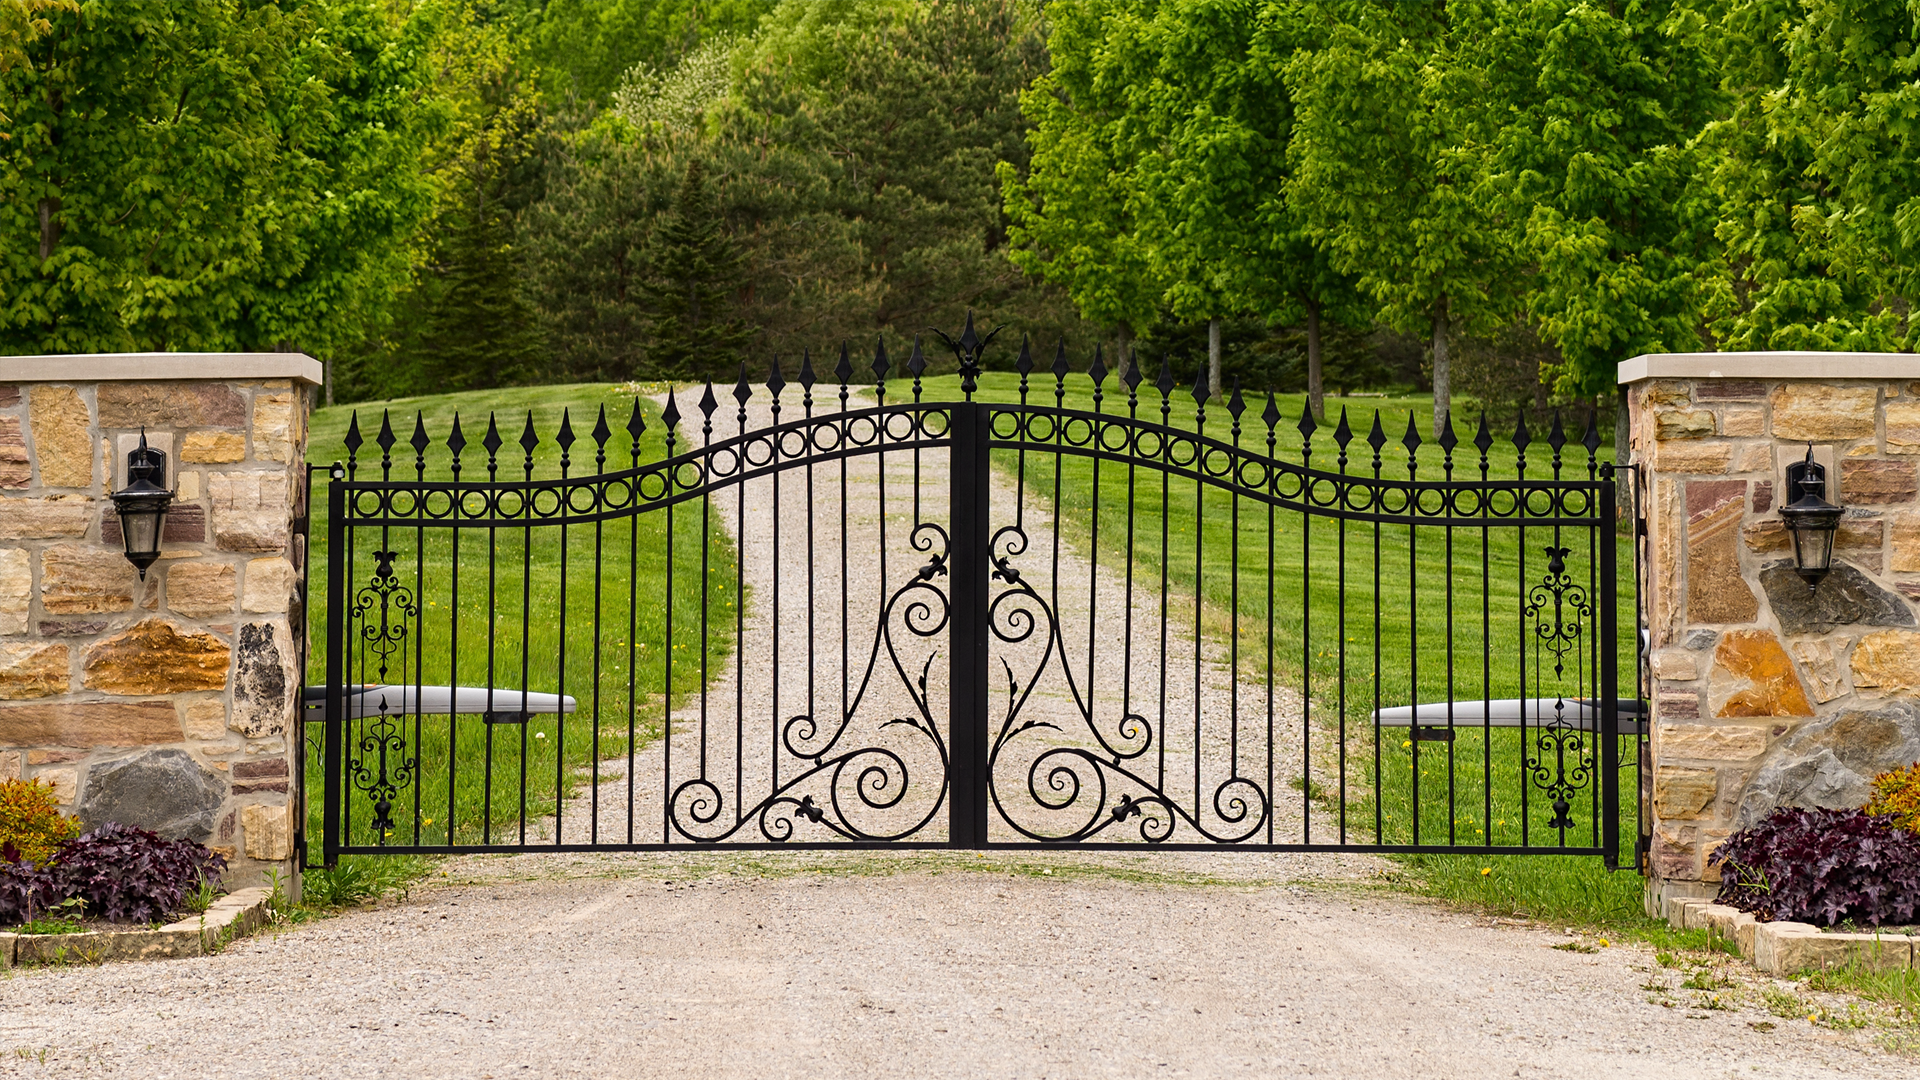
(902, 966)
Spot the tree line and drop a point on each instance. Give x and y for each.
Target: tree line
(1501, 198)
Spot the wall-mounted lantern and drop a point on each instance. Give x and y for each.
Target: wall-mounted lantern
(143, 504)
(1811, 518)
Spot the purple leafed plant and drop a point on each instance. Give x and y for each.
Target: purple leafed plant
(25, 889)
(1822, 867)
(131, 875)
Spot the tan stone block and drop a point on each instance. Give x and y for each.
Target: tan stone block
(186, 486)
(269, 585)
(1752, 676)
(205, 719)
(1709, 742)
(1809, 411)
(1765, 536)
(9, 770)
(272, 426)
(1683, 793)
(31, 669)
(16, 471)
(1716, 591)
(62, 443)
(250, 510)
(1906, 543)
(55, 757)
(158, 657)
(76, 579)
(1677, 664)
(201, 589)
(1866, 532)
(1792, 953)
(1743, 422)
(170, 404)
(1697, 458)
(213, 446)
(1820, 659)
(45, 519)
(269, 837)
(1903, 427)
(1887, 661)
(16, 590)
(1878, 482)
(65, 783)
(1675, 854)
(1671, 423)
(1753, 457)
(89, 723)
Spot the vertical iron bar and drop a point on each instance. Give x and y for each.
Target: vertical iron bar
(1608, 595)
(336, 661)
(967, 679)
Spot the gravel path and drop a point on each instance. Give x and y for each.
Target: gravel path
(923, 966)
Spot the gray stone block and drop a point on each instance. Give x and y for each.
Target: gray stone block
(1846, 597)
(1831, 762)
(163, 790)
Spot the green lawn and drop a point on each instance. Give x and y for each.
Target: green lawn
(516, 608)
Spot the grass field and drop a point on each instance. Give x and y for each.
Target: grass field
(515, 608)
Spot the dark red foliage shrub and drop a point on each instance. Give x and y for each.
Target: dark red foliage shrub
(131, 875)
(1823, 867)
(25, 889)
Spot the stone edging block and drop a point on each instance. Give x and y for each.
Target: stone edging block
(231, 916)
(1787, 948)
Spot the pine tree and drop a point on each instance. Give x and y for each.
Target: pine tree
(695, 273)
(480, 332)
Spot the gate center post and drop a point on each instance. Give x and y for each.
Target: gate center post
(967, 676)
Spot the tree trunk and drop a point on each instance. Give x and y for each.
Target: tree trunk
(49, 227)
(1213, 357)
(1123, 349)
(1442, 391)
(1316, 391)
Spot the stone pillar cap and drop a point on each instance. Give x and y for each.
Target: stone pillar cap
(1821, 366)
(160, 366)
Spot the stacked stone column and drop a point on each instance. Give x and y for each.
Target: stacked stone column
(1766, 693)
(170, 703)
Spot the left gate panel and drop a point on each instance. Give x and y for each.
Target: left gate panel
(719, 625)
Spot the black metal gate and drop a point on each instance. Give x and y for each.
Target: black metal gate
(1142, 618)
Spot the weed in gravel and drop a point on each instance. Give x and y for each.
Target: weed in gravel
(1704, 979)
(1784, 1005)
(1714, 1002)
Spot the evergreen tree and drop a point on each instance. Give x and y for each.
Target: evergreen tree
(479, 332)
(696, 270)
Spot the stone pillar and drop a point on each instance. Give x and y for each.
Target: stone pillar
(1765, 693)
(170, 704)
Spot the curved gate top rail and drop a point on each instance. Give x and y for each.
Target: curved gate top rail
(1494, 580)
(818, 436)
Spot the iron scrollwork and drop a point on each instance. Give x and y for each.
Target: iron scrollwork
(1560, 762)
(383, 767)
(877, 776)
(1105, 786)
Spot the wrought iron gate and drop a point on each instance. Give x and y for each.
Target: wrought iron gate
(1141, 619)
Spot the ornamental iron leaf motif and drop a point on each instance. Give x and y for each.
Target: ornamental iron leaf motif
(1561, 760)
(382, 768)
